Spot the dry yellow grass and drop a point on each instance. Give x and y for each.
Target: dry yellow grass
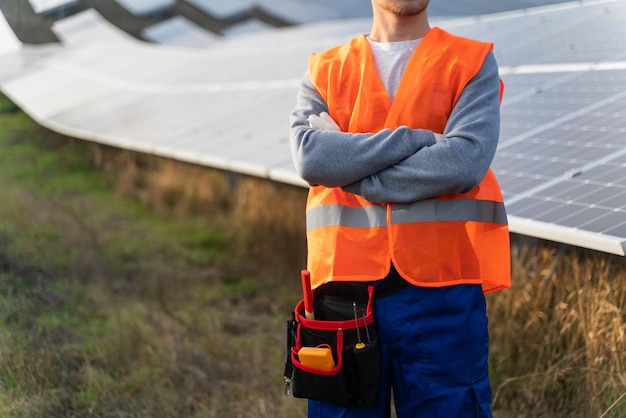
(558, 336)
(264, 219)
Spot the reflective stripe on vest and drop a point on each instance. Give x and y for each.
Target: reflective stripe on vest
(431, 210)
(340, 215)
(437, 210)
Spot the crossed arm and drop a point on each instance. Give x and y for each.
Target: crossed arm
(402, 165)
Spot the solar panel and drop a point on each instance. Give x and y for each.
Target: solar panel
(222, 9)
(47, 6)
(246, 28)
(8, 40)
(562, 155)
(478, 7)
(87, 27)
(144, 7)
(179, 31)
(299, 12)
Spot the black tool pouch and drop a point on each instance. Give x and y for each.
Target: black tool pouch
(354, 380)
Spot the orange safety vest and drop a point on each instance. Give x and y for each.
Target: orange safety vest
(453, 239)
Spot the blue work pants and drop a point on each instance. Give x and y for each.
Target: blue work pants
(434, 346)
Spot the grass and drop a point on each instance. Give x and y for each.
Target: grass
(132, 286)
(112, 306)
(559, 345)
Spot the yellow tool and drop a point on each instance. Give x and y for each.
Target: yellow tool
(359, 345)
(317, 357)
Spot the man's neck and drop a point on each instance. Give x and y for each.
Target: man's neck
(388, 27)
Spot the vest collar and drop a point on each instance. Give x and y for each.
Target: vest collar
(421, 53)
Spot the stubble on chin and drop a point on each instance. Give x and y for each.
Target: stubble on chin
(404, 7)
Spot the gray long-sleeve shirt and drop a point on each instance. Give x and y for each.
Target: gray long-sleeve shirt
(402, 165)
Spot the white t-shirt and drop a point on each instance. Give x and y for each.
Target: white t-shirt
(391, 59)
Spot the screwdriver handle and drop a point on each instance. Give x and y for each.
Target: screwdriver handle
(359, 345)
(308, 294)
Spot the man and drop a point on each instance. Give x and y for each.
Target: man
(395, 131)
